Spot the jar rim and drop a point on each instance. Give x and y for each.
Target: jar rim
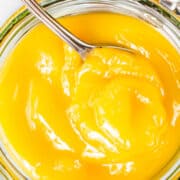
(23, 12)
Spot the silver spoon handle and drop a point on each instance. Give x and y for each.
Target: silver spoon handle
(56, 27)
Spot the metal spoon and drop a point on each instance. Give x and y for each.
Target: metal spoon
(81, 47)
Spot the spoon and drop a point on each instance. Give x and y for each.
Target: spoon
(80, 46)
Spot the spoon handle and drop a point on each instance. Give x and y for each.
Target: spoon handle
(56, 27)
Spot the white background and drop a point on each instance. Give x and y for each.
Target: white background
(7, 7)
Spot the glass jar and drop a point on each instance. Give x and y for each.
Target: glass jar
(21, 22)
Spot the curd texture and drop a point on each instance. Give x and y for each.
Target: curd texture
(114, 116)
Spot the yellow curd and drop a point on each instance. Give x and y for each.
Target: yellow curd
(114, 116)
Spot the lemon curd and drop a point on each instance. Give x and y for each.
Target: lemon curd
(113, 116)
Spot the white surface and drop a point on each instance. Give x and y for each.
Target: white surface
(7, 7)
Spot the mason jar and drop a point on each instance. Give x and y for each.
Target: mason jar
(162, 19)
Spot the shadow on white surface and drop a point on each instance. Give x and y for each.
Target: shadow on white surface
(7, 8)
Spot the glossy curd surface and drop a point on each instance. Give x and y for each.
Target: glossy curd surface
(114, 116)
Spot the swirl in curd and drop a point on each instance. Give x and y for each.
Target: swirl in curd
(114, 116)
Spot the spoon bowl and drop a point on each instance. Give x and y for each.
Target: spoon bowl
(80, 46)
